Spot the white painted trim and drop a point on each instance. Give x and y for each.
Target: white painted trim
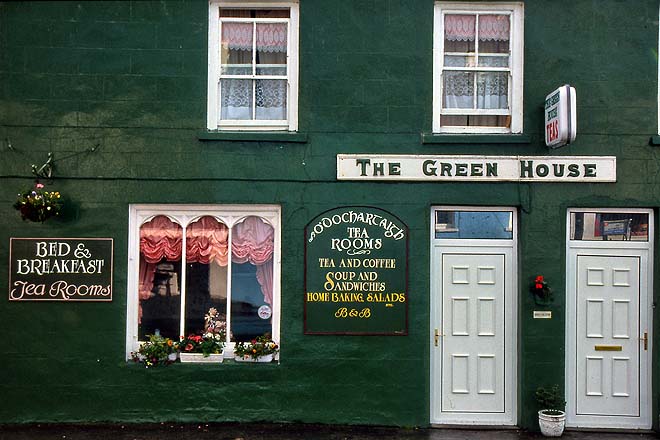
(516, 10)
(230, 215)
(510, 249)
(643, 250)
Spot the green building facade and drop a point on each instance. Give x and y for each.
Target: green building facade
(108, 104)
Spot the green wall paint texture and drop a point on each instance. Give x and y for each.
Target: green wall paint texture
(129, 80)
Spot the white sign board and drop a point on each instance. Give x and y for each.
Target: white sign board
(580, 169)
(560, 117)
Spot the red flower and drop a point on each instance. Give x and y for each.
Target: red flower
(539, 279)
(189, 347)
(539, 286)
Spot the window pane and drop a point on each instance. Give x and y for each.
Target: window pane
(236, 48)
(251, 279)
(206, 276)
(605, 226)
(493, 61)
(474, 224)
(493, 90)
(459, 61)
(159, 278)
(458, 90)
(236, 99)
(271, 99)
(459, 29)
(271, 48)
(494, 33)
(246, 299)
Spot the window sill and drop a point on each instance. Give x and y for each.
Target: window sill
(450, 138)
(256, 136)
(655, 140)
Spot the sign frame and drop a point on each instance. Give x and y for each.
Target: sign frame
(476, 168)
(35, 294)
(306, 310)
(560, 117)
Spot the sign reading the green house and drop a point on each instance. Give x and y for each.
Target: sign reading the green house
(60, 269)
(356, 273)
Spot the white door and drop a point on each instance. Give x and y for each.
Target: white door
(607, 344)
(473, 329)
(473, 333)
(608, 373)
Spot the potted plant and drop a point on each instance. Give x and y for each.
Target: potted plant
(38, 205)
(552, 416)
(260, 349)
(158, 350)
(208, 346)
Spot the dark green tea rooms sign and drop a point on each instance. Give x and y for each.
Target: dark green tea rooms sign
(356, 274)
(60, 269)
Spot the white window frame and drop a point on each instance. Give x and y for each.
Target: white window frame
(230, 215)
(213, 100)
(516, 11)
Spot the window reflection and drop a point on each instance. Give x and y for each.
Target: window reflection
(609, 226)
(474, 225)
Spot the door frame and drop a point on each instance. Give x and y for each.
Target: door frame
(475, 246)
(643, 250)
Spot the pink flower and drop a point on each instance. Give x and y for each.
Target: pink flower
(39, 185)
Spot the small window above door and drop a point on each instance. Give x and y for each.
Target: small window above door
(609, 226)
(456, 224)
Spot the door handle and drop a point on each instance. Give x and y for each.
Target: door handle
(645, 339)
(436, 335)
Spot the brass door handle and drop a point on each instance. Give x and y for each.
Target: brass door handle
(646, 340)
(436, 335)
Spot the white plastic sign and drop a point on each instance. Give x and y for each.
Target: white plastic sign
(560, 117)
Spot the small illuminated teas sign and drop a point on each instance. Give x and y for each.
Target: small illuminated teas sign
(560, 117)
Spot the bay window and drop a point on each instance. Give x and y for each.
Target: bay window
(186, 259)
(478, 52)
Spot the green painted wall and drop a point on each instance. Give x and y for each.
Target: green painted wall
(130, 77)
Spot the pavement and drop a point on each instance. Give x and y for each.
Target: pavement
(279, 431)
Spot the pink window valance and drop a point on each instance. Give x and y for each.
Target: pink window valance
(207, 240)
(462, 27)
(271, 37)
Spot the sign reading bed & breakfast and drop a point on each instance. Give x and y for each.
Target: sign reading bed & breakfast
(60, 269)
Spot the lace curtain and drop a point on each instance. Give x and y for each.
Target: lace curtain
(238, 99)
(460, 27)
(207, 242)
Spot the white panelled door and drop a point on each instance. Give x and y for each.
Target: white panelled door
(473, 333)
(607, 344)
(473, 318)
(609, 278)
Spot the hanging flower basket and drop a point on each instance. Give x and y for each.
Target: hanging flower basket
(38, 205)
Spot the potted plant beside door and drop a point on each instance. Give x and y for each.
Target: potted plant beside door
(552, 416)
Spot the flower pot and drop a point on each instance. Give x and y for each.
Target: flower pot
(246, 358)
(551, 422)
(200, 358)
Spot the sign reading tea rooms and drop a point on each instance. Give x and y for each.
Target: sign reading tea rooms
(60, 269)
(356, 273)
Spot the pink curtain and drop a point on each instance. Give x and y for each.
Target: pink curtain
(161, 238)
(207, 241)
(271, 37)
(462, 27)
